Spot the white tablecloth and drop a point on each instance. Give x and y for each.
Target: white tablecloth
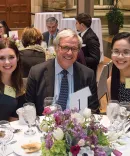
(20, 137)
(40, 19)
(96, 26)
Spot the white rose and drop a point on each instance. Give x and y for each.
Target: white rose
(81, 142)
(5, 35)
(78, 117)
(58, 134)
(17, 41)
(87, 113)
(44, 127)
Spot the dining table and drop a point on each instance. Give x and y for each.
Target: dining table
(20, 138)
(15, 149)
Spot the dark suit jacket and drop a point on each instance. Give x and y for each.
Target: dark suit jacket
(42, 78)
(91, 50)
(29, 58)
(46, 36)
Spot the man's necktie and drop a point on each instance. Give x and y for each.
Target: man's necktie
(51, 40)
(64, 89)
(80, 34)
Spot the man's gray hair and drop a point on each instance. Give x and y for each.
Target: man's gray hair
(67, 33)
(51, 20)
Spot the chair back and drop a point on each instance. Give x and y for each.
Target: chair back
(25, 82)
(109, 68)
(102, 83)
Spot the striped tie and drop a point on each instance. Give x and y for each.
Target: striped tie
(64, 89)
(51, 40)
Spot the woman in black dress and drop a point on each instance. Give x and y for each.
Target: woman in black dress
(119, 81)
(11, 83)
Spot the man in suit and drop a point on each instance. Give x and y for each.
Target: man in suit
(48, 36)
(91, 43)
(45, 79)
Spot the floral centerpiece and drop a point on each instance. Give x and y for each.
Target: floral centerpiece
(68, 133)
(12, 38)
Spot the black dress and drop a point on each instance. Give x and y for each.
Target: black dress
(9, 105)
(124, 94)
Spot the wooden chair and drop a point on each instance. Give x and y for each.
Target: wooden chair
(102, 83)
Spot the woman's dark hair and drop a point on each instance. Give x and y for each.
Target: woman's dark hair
(85, 19)
(31, 36)
(115, 78)
(119, 36)
(16, 78)
(6, 28)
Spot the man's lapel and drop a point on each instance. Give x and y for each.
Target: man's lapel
(50, 78)
(77, 77)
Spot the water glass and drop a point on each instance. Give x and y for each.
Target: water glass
(6, 134)
(29, 117)
(113, 109)
(126, 105)
(51, 101)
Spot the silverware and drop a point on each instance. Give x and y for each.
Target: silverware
(12, 142)
(37, 124)
(16, 130)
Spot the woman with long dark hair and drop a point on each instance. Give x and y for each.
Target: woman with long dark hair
(11, 83)
(119, 82)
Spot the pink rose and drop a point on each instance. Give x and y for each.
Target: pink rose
(47, 111)
(58, 120)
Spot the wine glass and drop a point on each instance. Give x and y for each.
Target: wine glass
(6, 134)
(51, 102)
(125, 104)
(29, 114)
(113, 112)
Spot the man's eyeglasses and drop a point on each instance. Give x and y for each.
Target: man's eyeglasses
(125, 53)
(1, 27)
(66, 49)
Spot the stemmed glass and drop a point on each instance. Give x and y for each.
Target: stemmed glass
(6, 134)
(29, 114)
(113, 112)
(51, 101)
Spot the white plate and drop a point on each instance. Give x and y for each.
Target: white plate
(19, 151)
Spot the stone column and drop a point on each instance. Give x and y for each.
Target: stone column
(69, 4)
(86, 6)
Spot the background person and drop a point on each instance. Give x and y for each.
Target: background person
(4, 29)
(11, 83)
(91, 49)
(32, 53)
(118, 82)
(45, 79)
(48, 36)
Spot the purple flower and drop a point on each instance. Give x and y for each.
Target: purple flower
(94, 139)
(98, 151)
(49, 141)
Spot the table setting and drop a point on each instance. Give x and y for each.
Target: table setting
(68, 132)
